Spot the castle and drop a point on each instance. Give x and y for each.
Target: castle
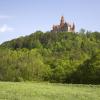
(63, 27)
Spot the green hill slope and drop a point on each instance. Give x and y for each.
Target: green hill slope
(56, 57)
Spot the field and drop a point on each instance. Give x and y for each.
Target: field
(48, 91)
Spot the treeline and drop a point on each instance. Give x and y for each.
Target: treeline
(55, 57)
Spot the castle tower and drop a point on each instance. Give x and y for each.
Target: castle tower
(62, 21)
(73, 28)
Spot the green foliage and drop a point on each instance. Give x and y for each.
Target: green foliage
(56, 57)
(89, 71)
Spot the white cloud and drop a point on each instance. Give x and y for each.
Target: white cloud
(6, 28)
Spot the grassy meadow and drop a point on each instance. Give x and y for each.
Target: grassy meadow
(48, 91)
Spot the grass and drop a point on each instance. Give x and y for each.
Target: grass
(48, 91)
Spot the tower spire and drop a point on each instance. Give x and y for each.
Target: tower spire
(62, 20)
(73, 27)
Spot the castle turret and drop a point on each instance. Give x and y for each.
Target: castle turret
(62, 21)
(73, 28)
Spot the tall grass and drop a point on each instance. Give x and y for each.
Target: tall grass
(48, 91)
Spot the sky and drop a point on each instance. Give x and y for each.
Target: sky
(23, 17)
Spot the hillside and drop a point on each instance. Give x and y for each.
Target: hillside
(56, 57)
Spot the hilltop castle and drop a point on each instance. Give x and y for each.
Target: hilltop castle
(63, 27)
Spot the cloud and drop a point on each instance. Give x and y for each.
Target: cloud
(6, 28)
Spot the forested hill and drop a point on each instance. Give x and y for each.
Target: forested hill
(56, 41)
(56, 57)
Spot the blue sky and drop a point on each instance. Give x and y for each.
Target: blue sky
(22, 17)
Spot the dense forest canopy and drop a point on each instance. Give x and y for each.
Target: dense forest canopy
(64, 57)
